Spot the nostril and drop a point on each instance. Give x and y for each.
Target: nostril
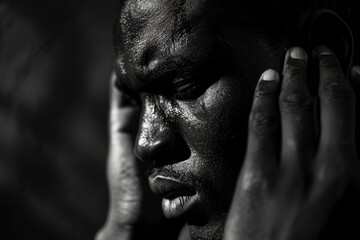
(162, 148)
(148, 57)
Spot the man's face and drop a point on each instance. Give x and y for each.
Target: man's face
(195, 65)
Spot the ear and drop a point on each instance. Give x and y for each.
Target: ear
(325, 27)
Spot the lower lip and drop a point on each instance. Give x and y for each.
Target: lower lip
(178, 206)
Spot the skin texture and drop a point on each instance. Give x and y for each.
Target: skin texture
(196, 78)
(289, 194)
(201, 122)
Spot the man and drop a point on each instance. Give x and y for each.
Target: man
(234, 156)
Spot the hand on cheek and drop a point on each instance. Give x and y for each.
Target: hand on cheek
(299, 157)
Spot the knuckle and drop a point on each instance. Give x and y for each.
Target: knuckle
(295, 102)
(261, 120)
(329, 61)
(295, 69)
(265, 89)
(332, 179)
(255, 181)
(330, 64)
(332, 173)
(337, 92)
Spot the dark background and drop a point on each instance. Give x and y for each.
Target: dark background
(55, 61)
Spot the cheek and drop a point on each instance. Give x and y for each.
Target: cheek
(214, 126)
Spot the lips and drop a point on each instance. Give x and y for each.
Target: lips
(178, 198)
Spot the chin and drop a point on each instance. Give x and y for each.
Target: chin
(211, 230)
(207, 221)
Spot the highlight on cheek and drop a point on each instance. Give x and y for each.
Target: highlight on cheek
(220, 94)
(199, 108)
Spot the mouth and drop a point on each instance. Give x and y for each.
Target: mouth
(177, 198)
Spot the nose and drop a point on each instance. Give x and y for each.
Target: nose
(157, 142)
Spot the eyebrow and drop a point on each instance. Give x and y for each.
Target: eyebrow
(184, 65)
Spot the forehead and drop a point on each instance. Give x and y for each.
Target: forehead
(141, 7)
(149, 30)
(150, 24)
(152, 31)
(172, 14)
(173, 20)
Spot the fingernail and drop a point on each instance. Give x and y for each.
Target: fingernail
(355, 78)
(355, 75)
(298, 53)
(270, 75)
(356, 70)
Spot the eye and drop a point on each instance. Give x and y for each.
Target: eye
(192, 87)
(187, 90)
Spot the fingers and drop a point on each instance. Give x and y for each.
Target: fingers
(336, 155)
(337, 102)
(296, 110)
(264, 125)
(292, 111)
(124, 110)
(262, 151)
(355, 80)
(297, 117)
(122, 166)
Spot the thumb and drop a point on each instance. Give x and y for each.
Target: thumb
(124, 110)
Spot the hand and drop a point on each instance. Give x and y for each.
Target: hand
(127, 184)
(122, 170)
(301, 154)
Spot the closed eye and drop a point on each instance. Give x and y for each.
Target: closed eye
(187, 90)
(181, 77)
